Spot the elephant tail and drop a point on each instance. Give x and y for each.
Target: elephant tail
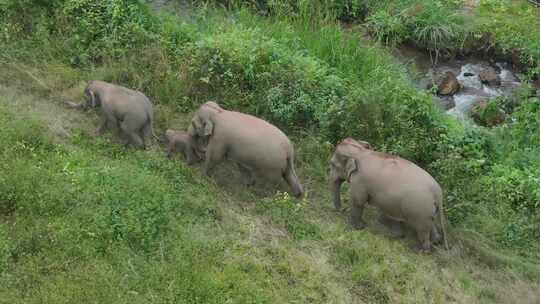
(291, 177)
(442, 220)
(151, 124)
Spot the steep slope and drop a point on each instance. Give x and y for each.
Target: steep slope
(85, 220)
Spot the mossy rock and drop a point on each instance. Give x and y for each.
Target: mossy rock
(488, 114)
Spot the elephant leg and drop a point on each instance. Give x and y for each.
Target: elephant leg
(435, 236)
(402, 230)
(215, 152)
(248, 175)
(357, 210)
(424, 242)
(190, 156)
(170, 150)
(146, 134)
(132, 134)
(105, 120)
(397, 227)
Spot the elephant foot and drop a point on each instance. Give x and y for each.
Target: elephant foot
(358, 225)
(423, 249)
(249, 182)
(99, 131)
(436, 238)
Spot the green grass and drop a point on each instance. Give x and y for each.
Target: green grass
(513, 27)
(84, 219)
(80, 215)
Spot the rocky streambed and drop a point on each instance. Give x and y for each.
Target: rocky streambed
(464, 86)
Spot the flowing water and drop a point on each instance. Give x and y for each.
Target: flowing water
(467, 72)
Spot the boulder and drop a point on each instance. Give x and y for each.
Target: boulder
(490, 77)
(488, 114)
(447, 84)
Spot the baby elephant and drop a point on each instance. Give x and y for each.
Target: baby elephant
(401, 190)
(183, 142)
(126, 110)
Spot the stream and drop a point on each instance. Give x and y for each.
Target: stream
(479, 80)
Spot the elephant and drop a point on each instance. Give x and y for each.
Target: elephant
(400, 189)
(258, 147)
(128, 111)
(183, 142)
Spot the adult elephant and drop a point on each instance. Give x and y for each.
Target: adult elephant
(400, 189)
(255, 145)
(127, 110)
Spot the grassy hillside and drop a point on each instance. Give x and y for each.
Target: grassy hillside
(83, 219)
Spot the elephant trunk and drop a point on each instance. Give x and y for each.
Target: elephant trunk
(191, 131)
(74, 105)
(335, 187)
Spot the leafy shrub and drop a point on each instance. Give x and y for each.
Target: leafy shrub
(92, 29)
(264, 76)
(459, 159)
(515, 199)
(429, 24)
(312, 11)
(526, 129)
(513, 27)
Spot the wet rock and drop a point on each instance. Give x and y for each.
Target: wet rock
(425, 83)
(487, 113)
(447, 84)
(445, 102)
(490, 77)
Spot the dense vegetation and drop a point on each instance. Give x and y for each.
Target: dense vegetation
(68, 207)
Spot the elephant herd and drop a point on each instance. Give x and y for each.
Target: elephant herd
(401, 190)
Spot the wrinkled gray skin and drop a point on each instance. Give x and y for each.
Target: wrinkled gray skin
(401, 190)
(128, 111)
(182, 142)
(258, 147)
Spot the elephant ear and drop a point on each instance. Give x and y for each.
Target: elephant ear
(91, 98)
(350, 167)
(208, 128)
(364, 144)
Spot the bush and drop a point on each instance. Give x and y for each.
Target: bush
(92, 29)
(431, 25)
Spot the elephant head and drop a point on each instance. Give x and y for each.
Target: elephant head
(202, 124)
(91, 97)
(343, 164)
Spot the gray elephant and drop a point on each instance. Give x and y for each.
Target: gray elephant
(258, 147)
(401, 190)
(128, 111)
(187, 145)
